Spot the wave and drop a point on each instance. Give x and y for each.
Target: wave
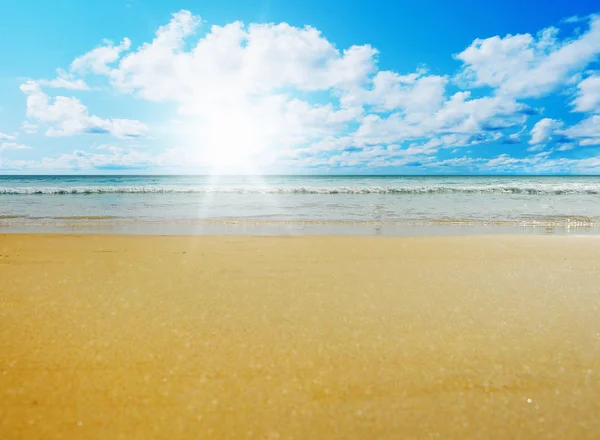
(102, 221)
(538, 189)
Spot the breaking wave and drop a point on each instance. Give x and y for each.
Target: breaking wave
(535, 189)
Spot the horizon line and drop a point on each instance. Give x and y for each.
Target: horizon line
(299, 175)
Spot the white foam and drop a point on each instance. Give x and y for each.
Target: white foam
(524, 189)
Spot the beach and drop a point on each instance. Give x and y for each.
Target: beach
(295, 337)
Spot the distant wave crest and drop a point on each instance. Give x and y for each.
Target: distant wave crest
(537, 189)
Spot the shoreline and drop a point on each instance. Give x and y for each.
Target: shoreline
(260, 227)
(240, 336)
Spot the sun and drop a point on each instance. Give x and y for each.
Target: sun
(232, 144)
(227, 141)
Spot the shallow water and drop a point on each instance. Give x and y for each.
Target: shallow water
(347, 204)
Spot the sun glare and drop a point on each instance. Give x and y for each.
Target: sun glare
(228, 140)
(233, 145)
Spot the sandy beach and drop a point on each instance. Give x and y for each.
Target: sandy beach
(139, 337)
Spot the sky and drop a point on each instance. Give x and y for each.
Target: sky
(312, 87)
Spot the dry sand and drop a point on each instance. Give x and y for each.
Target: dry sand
(106, 337)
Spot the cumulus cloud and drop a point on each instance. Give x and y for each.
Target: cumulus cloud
(588, 95)
(238, 84)
(475, 120)
(68, 116)
(280, 94)
(246, 59)
(250, 76)
(543, 130)
(587, 132)
(413, 93)
(523, 65)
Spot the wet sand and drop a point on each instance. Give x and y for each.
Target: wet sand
(139, 337)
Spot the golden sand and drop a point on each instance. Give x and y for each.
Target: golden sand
(106, 337)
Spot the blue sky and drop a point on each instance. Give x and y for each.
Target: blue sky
(429, 87)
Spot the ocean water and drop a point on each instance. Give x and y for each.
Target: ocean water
(300, 204)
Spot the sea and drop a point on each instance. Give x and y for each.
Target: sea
(362, 205)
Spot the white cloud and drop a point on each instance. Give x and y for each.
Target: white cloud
(246, 59)
(588, 95)
(240, 85)
(502, 161)
(565, 147)
(7, 136)
(463, 161)
(82, 160)
(476, 120)
(68, 116)
(111, 157)
(15, 165)
(537, 147)
(589, 127)
(526, 66)
(540, 163)
(412, 93)
(275, 93)
(12, 146)
(244, 91)
(590, 142)
(544, 129)
(29, 128)
(98, 60)
(587, 132)
(65, 80)
(108, 147)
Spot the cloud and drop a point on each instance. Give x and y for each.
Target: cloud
(565, 147)
(587, 132)
(65, 80)
(540, 163)
(109, 157)
(12, 146)
(413, 93)
(98, 60)
(526, 66)
(574, 19)
(29, 128)
(82, 160)
(514, 138)
(542, 131)
(251, 59)
(279, 95)
(240, 84)
(15, 165)
(259, 58)
(463, 161)
(588, 95)
(470, 120)
(68, 116)
(589, 142)
(7, 136)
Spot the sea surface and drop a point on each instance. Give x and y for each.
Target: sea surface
(393, 205)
